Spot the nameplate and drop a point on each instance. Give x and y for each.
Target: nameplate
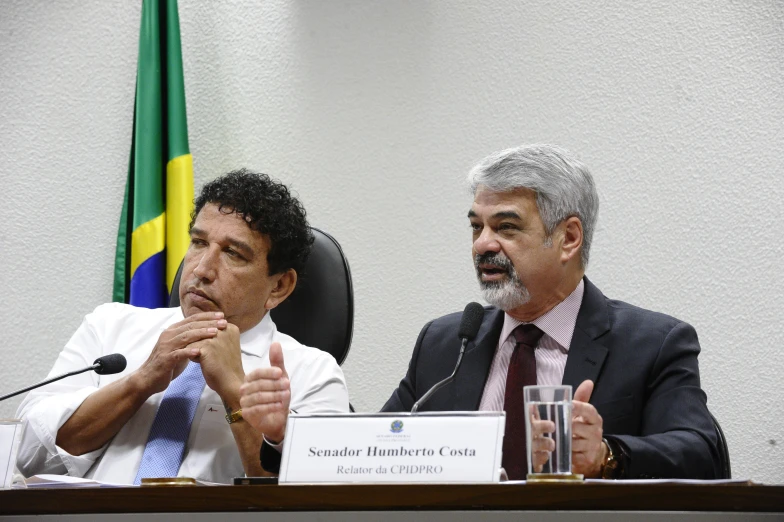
(10, 437)
(443, 447)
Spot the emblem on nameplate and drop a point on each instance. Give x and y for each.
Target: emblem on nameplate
(396, 426)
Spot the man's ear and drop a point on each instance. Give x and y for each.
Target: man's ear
(283, 288)
(572, 242)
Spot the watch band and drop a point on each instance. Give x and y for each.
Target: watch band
(610, 467)
(234, 416)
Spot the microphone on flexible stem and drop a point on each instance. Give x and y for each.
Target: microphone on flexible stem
(106, 365)
(469, 327)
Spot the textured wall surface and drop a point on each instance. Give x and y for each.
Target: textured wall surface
(374, 111)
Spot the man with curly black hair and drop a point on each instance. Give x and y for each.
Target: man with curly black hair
(177, 410)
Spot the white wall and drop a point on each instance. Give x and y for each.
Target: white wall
(374, 112)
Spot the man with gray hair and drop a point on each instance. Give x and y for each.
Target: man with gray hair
(638, 409)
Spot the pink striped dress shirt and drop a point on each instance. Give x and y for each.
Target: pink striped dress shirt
(551, 352)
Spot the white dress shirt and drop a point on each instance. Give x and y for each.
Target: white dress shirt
(551, 352)
(317, 386)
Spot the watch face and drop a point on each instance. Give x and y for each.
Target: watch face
(609, 468)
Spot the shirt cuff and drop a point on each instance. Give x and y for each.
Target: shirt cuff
(278, 446)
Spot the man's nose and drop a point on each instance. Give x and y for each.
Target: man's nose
(486, 242)
(205, 268)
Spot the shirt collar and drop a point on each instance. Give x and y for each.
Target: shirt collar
(557, 324)
(257, 340)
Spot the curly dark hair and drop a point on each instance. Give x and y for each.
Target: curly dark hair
(268, 207)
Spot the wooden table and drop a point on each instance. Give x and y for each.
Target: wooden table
(590, 501)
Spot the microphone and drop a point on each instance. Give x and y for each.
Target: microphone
(109, 364)
(469, 327)
(106, 365)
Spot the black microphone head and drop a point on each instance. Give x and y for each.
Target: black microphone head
(109, 364)
(471, 321)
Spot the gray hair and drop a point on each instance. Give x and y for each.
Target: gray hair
(564, 187)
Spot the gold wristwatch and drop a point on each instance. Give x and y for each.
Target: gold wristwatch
(234, 416)
(610, 464)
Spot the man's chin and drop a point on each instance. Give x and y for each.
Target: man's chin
(506, 297)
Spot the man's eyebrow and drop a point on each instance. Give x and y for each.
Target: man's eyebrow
(509, 214)
(236, 243)
(504, 214)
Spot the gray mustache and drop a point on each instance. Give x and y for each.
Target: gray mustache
(493, 258)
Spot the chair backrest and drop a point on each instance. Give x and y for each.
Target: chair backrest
(320, 311)
(724, 452)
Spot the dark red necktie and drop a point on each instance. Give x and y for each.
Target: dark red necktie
(522, 372)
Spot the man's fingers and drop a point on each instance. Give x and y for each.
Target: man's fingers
(263, 374)
(539, 427)
(264, 398)
(581, 430)
(545, 444)
(216, 324)
(188, 352)
(584, 445)
(584, 391)
(584, 413)
(180, 335)
(265, 385)
(220, 324)
(276, 357)
(191, 336)
(201, 316)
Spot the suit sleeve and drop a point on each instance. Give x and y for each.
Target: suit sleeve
(404, 397)
(678, 438)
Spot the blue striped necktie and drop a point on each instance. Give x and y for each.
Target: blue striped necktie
(166, 443)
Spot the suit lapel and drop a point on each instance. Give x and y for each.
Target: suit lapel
(586, 354)
(471, 377)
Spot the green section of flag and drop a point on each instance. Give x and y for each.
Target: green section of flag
(160, 130)
(121, 254)
(146, 178)
(175, 104)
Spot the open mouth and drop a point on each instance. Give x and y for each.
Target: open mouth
(492, 272)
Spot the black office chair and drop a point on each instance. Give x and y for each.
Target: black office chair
(320, 311)
(724, 452)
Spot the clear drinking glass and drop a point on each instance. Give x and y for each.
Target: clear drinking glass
(554, 404)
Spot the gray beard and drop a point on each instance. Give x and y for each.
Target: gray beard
(508, 295)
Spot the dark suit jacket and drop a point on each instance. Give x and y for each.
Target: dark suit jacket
(643, 364)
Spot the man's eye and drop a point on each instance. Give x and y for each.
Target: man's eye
(195, 241)
(507, 226)
(475, 227)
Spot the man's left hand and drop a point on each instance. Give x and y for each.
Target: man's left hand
(266, 396)
(588, 450)
(221, 364)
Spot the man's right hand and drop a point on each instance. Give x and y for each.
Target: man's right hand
(170, 355)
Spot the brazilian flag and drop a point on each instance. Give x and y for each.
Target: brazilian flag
(153, 232)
